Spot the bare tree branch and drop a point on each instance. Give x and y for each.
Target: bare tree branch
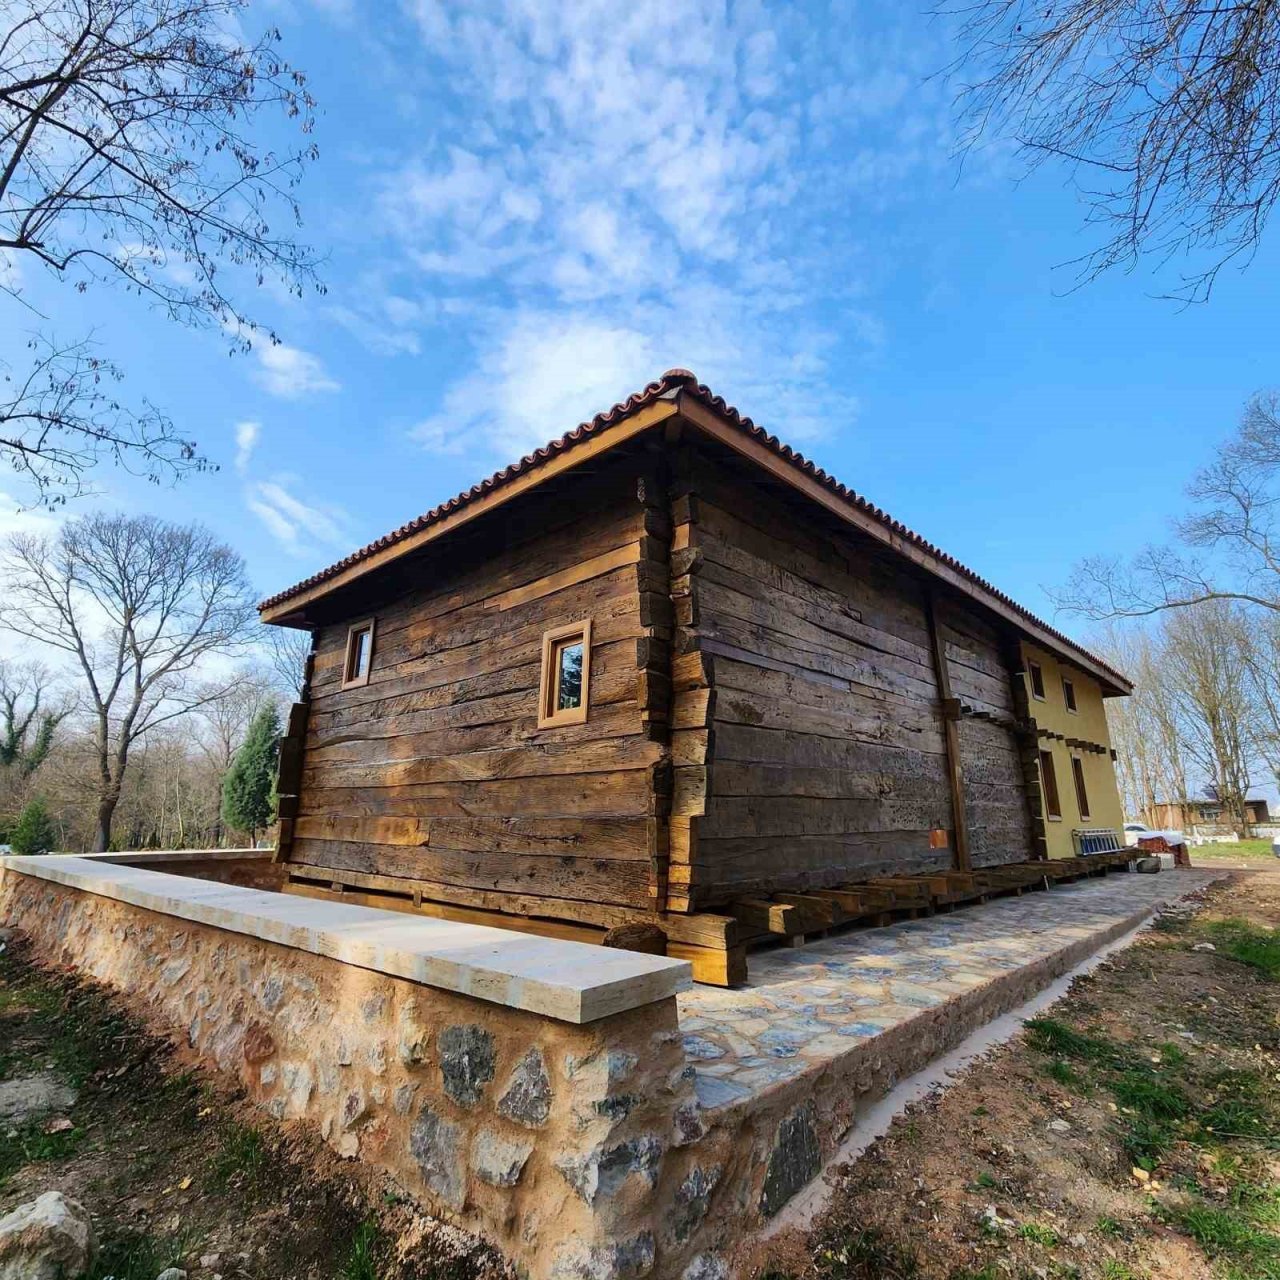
(141, 606)
(1167, 110)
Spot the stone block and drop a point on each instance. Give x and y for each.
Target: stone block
(497, 1160)
(794, 1161)
(527, 1097)
(434, 1143)
(467, 1063)
(48, 1238)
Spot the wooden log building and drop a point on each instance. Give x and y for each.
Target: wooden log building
(666, 672)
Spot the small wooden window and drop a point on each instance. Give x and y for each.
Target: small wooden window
(1036, 673)
(1082, 796)
(1069, 694)
(1049, 777)
(359, 656)
(566, 675)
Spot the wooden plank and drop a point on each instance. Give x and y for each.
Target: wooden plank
(955, 768)
(712, 967)
(768, 917)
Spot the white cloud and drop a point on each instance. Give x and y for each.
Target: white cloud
(247, 434)
(291, 373)
(299, 527)
(611, 189)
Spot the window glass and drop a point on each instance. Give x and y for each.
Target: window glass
(359, 655)
(1069, 694)
(569, 676)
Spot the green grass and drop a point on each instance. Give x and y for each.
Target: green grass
(133, 1255)
(1055, 1038)
(362, 1261)
(30, 1143)
(866, 1255)
(1113, 1228)
(1231, 1237)
(1063, 1072)
(1037, 1234)
(1248, 944)
(240, 1158)
(1150, 1095)
(1114, 1269)
(1234, 849)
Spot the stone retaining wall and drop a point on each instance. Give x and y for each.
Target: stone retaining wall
(570, 1147)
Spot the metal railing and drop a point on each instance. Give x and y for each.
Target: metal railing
(1089, 840)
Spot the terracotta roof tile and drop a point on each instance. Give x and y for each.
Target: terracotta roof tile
(686, 382)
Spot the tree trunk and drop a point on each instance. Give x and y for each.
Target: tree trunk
(106, 811)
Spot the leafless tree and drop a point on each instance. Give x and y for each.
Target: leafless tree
(1206, 662)
(31, 709)
(139, 606)
(1228, 548)
(1167, 110)
(60, 417)
(127, 154)
(287, 650)
(1146, 729)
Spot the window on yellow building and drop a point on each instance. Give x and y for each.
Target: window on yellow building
(1069, 695)
(1036, 674)
(1049, 778)
(1082, 796)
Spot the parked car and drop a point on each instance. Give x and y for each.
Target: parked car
(1135, 831)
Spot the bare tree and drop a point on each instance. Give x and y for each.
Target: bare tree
(1228, 548)
(288, 650)
(31, 709)
(1167, 110)
(1206, 662)
(127, 155)
(140, 606)
(1145, 727)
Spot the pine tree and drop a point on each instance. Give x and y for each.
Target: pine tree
(34, 832)
(249, 788)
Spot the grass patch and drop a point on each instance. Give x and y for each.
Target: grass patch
(362, 1260)
(1150, 1096)
(134, 1255)
(1055, 1038)
(1037, 1234)
(1230, 1236)
(1247, 944)
(867, 1255)
(240, 1159)
(30, 1143)
(1063, 1072)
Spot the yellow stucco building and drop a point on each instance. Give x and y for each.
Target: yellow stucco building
(1076, 766)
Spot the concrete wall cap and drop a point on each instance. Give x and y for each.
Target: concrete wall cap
(570, 981)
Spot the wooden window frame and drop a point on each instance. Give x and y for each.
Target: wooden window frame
(1035, 676)
(357, 628)
(548, 683)
(1082, 790)
(1069, 696)
(1049, 783)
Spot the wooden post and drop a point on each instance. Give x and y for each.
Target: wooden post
(289, 767)
(951, 728)
(1028, 753)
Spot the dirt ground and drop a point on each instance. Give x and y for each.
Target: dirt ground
(176, 1171)
(1132, 1132)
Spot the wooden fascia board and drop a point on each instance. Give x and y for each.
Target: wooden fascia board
(712, 424)
(287, 612)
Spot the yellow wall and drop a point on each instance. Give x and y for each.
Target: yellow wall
(1089, 724)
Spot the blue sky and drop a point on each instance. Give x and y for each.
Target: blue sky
(528, 210)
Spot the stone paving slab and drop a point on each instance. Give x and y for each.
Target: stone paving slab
(803, 1007)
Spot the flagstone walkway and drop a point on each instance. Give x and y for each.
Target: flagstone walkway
(803, 1007)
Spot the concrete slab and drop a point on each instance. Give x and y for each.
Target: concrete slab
(802, 1009)
(570, 981)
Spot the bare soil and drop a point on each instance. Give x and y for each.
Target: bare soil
(1132, 1132)
(176, 1170)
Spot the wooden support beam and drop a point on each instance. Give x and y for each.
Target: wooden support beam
(950, 718)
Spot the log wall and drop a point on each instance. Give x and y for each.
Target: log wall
(434, 775)
(823, 753)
